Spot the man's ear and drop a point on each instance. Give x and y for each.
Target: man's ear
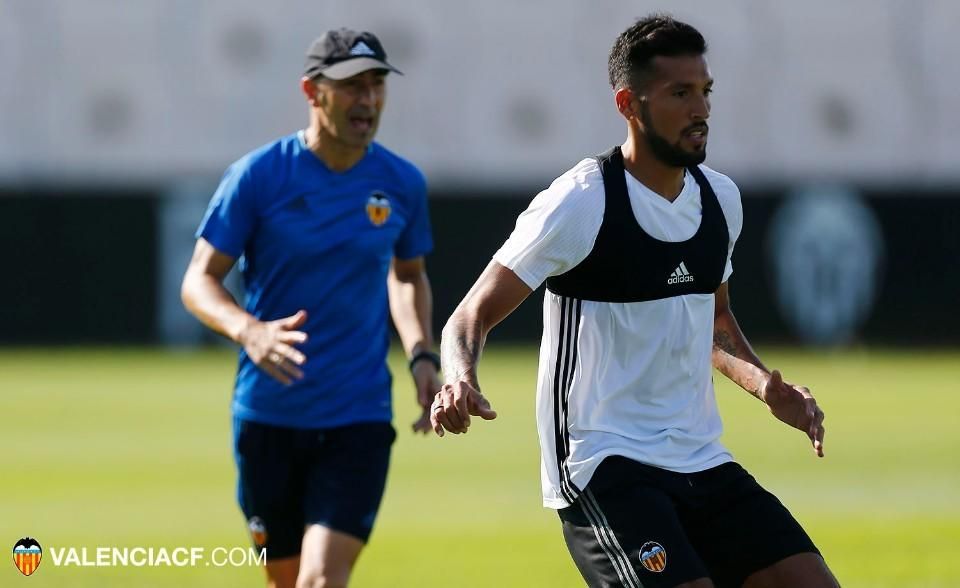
(311, 92)
(626, 103)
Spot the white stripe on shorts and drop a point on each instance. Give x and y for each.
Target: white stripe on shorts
(608, 541)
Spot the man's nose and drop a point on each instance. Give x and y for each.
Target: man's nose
(701, 109)
(367, 94)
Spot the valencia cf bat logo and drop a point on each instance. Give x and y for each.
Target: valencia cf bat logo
(653, 556)
(378, 208)
(258, 531)
(26, 555)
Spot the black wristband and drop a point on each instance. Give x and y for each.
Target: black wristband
(427, 355)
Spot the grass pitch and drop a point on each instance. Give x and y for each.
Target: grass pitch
(132, 448)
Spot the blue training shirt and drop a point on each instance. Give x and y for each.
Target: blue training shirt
(314, 239)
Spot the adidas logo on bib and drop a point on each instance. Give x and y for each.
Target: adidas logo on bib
(680, 275)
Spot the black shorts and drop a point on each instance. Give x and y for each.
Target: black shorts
(290, 478)
(637, 525)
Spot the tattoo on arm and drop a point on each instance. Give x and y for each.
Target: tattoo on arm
(722, 340)
(460, 349)
(734, 358)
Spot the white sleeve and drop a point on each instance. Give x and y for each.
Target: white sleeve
(729, 196)
(557, 231)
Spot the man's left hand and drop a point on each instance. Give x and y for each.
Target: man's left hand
(796, 406)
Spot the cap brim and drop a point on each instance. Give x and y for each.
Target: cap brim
(351, 67)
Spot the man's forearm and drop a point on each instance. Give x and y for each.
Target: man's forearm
(411, 305)
(734, 357)
(460, 348)
(208, 300)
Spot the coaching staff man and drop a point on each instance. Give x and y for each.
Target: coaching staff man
(329, 226)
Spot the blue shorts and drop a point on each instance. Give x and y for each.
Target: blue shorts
(290, 478)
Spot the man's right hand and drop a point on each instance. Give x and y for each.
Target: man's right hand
(454, 404)
(270, 345)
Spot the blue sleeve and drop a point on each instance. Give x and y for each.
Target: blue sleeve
(416, 239)
(231, 215)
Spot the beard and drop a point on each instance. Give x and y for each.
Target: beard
(669, 153)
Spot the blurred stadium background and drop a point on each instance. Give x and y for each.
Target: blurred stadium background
(117, 119)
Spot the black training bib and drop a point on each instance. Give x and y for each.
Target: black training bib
(628, 265)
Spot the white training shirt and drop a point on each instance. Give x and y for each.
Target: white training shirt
(641, 384)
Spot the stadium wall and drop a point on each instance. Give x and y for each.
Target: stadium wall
(836, 119)
(823, 264)
(495, 94)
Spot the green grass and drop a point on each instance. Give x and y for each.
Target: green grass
(132, 448)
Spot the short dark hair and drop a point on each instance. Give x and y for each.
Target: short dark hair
(658, 34)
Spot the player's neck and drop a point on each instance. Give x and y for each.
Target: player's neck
(641, 163)
(333, 153)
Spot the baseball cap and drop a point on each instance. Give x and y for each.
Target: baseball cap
(342, 53)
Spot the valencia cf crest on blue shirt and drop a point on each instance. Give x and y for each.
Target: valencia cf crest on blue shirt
(378, 208)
